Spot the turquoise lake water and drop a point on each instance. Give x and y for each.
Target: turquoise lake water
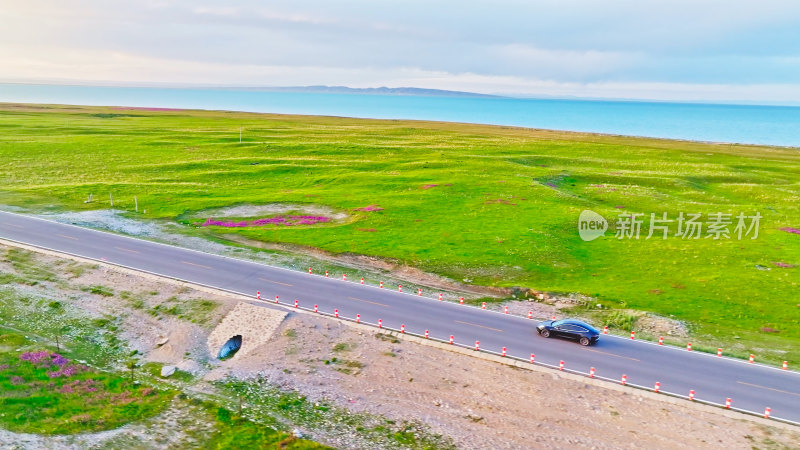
(771, 125)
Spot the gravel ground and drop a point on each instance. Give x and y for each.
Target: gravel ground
(480, 404)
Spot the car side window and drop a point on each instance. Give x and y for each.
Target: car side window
(567, 327)
(580, 329)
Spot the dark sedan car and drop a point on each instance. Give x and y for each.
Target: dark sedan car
(573, 329)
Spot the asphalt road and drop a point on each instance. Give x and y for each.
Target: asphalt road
(750, 386)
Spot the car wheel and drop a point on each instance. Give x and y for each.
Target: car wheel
(545, 333)
(584, 341)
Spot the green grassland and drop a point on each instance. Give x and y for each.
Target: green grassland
(48, 393)
(54, 395)
(504, 210)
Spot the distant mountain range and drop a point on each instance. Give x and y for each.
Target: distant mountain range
(378, 90)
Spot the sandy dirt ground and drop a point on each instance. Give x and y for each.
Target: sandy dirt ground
(481, 404)
(476, 403)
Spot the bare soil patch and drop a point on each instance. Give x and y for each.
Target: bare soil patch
(478, 403)
(270, 209)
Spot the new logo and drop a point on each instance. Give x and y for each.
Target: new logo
(591, 225)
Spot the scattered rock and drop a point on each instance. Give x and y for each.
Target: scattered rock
(167, 371)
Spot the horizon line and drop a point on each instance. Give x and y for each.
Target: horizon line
(365, 91)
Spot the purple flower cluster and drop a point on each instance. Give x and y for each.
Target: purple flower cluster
(78, 386)
(48, 360)
(791, 230)
(370, 208)
(59, 360)
(219, 223)
(16, 380)
(43, 358)
(279, 220)
(784, 265)
(66, 371)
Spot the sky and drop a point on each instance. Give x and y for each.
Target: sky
(677, 50)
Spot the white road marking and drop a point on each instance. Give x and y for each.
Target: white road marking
(480, 326)
(127, 250)
(367, 301)
(273, 281)
(612, 354)
(197, 265)
(68, 237)
(768, 388)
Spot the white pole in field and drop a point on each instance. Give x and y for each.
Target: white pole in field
(111, 197)
(240, 135)
(136, 202)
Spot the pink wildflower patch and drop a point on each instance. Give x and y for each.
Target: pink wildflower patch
(620, 207)
(67, 371)
(369, 208)
(78, 387)
(428, 186)
(47, 360)
(790, 230)
(784, 265)
(220, 223)
(44, 359)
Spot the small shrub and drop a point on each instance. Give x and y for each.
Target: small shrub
(99, 290)
(622, 320)
(342, 347)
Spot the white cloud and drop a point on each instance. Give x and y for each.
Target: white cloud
(294, 17)
(220, 11)
(672, 50)
(102, 67)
